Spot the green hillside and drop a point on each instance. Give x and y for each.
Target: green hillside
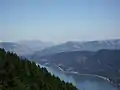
(20, 74)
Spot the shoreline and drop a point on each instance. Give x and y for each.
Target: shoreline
(77, 73)
(98, 76)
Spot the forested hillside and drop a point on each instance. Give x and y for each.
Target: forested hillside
(21, 74)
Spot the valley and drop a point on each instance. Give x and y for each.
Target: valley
(59, 44)
(75, 58)
(103, 63)
(81, 81)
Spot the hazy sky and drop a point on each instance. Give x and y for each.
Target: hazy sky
(59, 20)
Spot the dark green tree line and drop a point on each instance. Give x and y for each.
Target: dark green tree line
(21, 74)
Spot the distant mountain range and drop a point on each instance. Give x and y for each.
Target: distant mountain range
(79, 46)
(25, 47)
(15, 47)
(36, 45)
(37, 49)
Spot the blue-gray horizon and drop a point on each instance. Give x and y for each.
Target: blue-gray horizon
(59, 20)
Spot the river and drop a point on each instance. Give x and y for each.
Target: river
(82, 82)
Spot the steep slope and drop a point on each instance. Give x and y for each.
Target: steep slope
(80, 46)
(21, 74)
(83, 60)
(65, 58)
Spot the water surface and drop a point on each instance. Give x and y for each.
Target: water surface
(82, 82)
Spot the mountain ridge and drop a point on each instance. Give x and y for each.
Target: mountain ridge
(80, 46)
(24, 47)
